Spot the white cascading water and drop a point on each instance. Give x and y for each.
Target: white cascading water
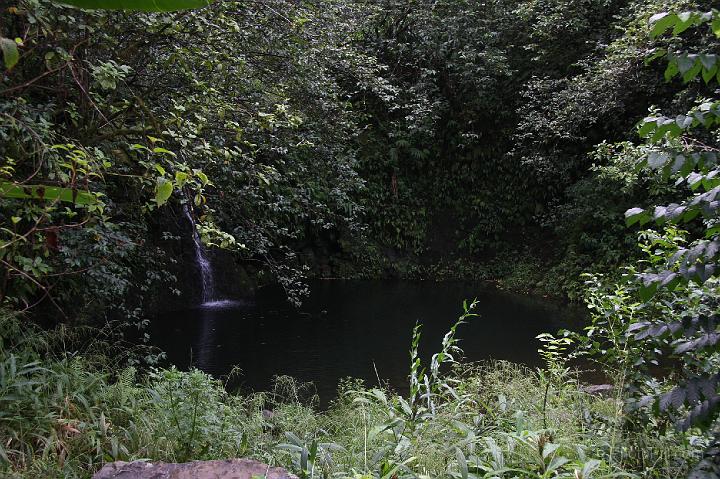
(206, 272)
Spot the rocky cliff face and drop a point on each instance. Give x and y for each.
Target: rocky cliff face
(232, 280)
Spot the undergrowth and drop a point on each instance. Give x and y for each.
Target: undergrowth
(64, 415)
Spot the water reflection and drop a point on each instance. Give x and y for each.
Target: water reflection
(353, 328)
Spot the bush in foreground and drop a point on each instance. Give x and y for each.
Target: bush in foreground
(63, 416)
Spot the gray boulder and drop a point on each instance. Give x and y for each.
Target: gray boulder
(227, 469)
(598, 389)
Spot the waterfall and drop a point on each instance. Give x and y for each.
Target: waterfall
(206, 272)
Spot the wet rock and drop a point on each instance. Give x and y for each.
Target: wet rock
(228, 469)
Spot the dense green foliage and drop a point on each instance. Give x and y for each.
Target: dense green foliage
(489, 140)
(666, 306)
(445, 138)
(342, 139)
(254, 115)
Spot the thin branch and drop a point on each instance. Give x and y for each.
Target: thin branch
(38, 284)
(37, 78)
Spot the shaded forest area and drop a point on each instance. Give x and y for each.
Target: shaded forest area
(349, 139)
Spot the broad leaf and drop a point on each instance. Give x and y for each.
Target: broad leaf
(634, 215)
(50, 193)
(163, 190)
(9, 51)
(137, 5)
(661, 22)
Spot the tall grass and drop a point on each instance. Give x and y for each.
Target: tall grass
(65, 415)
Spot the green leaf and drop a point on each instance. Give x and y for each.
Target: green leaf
(657, 53)
(685, 21)
(180, 178)
(692, 73)
(137, 5)
(9, 51)
(661, 22)
(686, 62)
(462, 463)
(708, 75)
(634, 215)
(163, 150)
(304, 461)
(203, 177)
(708, 61)
(647, 292)
(657, 159)
(3, 454)
(647, 126)
(549, 449)
(716, 26)
(50, 193)
(163, 190)
(556, 463)
(672, 69)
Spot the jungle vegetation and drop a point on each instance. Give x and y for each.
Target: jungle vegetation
(566, 146)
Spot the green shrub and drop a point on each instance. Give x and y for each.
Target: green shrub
(64, 416)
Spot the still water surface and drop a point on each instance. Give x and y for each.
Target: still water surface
(359, 329)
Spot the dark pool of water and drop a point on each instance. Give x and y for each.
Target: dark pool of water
(359, 329)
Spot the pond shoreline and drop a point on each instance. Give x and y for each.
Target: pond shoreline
(355, 328)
